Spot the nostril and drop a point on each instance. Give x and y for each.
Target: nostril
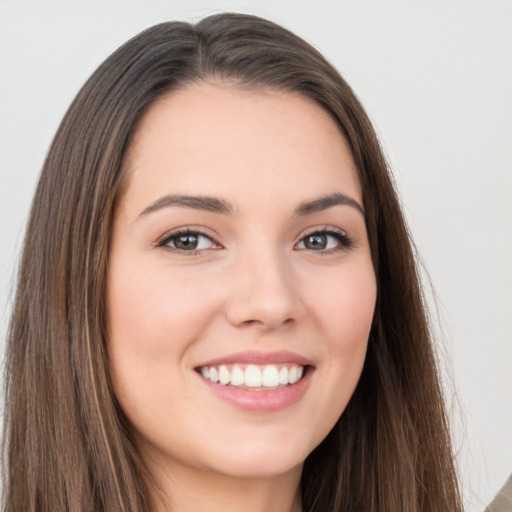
(266, 324)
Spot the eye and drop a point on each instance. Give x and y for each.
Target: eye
(325, 240)
(188, 241)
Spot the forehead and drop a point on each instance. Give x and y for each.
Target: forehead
(220, 140)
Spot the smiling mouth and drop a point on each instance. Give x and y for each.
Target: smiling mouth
(253, 377)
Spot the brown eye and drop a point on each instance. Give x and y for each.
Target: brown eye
(188, 241)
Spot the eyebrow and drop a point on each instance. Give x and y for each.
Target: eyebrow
(209, 204)
(323, 203)
(215, 205)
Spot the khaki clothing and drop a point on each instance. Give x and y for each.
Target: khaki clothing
(503, 500)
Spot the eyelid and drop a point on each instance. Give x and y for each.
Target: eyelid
(187, 230)
(346, 242)
(323, 228)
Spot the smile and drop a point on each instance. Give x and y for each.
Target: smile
(254, 377)
(258, 382)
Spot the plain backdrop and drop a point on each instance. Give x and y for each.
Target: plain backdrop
(436, 79)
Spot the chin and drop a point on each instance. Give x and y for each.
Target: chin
(259, 460)
(261, 468)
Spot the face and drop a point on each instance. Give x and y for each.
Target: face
(241, 289)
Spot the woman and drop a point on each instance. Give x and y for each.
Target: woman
(218, 304)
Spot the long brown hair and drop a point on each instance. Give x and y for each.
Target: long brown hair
(67, 443)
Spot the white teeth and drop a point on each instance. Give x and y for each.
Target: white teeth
(270, 376)
(214, 374)
(224, 375)
(292, 375)
(267, 376)
(237, 376)
(252, 377)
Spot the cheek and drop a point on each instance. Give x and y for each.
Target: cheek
(153, 320)
(344, 305)
(343, 310)
(147, 310)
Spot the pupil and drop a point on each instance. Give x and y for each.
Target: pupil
(316, 242)
(186, 242)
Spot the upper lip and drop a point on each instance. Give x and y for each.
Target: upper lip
(259, 358)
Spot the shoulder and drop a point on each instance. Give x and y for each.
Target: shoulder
(502, 502)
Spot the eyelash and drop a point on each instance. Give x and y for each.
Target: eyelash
(345, 242)
(183, 232)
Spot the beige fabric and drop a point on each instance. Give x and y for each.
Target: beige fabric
(503, 500)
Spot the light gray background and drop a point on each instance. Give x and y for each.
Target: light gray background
(435, 77)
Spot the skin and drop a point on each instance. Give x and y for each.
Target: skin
(253, 284)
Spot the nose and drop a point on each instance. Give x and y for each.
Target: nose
(263, 293)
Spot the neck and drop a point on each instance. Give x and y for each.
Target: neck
(189, 490)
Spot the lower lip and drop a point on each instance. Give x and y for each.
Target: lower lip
(261, 401)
